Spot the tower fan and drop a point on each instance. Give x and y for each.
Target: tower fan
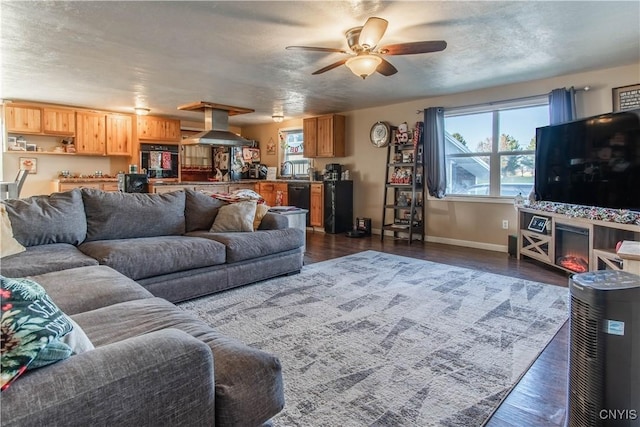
(604, 350)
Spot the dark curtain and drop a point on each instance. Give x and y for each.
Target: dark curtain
(562, 105)
(434, 151)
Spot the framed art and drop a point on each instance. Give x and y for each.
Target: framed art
(30, 164)
(626, 97)
(538, 223)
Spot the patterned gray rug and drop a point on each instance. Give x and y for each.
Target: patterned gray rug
(374, 339)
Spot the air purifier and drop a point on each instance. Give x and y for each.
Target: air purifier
(604, 350)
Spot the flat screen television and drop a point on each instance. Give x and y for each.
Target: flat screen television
(593, 161)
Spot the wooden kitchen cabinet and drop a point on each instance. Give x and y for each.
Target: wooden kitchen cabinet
(23, 119)
(59, 121)
(67, 186)
(151, 128)
(269, 192)
(316, 211)
(324, 136)
(91, 135)
(119, 134)
(310, 135)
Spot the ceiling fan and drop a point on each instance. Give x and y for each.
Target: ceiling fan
(365, 59)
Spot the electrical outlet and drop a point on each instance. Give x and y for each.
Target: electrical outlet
(505, 224)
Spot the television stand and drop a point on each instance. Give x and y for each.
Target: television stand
(574, 244)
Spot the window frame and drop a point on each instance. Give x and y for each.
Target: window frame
(302, 165)
(495, 155)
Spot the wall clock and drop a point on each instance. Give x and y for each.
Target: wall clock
(380, 134)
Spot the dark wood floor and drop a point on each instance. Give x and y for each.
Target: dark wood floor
(539, 398)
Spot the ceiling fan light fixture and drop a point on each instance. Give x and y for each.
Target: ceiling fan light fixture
(141, 111)
(278, 118)
(363, 65)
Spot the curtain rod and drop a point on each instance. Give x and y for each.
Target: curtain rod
(526, 98)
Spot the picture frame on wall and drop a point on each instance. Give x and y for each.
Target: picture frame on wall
(29, 163)
(626, 97)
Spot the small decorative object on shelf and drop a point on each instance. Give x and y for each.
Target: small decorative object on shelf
(538, 223)
(402, 134)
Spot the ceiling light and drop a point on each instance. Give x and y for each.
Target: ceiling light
(278, 118)
(363, 65)
(141, 111)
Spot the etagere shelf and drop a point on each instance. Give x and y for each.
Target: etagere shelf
(403, 208)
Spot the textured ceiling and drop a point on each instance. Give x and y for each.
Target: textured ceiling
(114, 55)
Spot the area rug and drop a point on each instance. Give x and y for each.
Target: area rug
(374, 339)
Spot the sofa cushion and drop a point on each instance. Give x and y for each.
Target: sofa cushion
(154, 256)
(31, 323)
(44, 259)
(245, 377)
(40, 220)
(200, 210)
(261, 211)
(114, 215)
(235, 217)
(243, 246)
(86, 288)
(8, 244)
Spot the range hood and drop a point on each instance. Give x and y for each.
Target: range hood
(216, 125)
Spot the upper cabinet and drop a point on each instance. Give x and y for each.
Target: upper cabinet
(91, 135)
(324, 136)
(59, 121)
(158, 129)
(119, 134)
(104, 133)
(310, 135)
(23, 119)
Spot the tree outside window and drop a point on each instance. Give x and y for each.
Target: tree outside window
(490, 151)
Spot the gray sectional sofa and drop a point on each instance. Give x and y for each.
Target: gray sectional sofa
(114, 262)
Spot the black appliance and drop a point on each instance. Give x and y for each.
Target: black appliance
(133, 183)
(604, 350)
(334, 172)
(160, 161)
(257, 171)
(299, 194)
(338, 206)
(593, 161)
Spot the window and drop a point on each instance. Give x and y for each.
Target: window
(490, 149)
(292, 144)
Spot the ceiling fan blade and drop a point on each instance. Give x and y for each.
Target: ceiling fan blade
(386, 68)
(413, 48)
(372, 32)
(330, 67)
(316, 49)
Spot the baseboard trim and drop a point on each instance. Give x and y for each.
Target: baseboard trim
(468, 244)
(457, 242)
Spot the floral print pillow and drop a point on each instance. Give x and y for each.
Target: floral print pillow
(31, 326)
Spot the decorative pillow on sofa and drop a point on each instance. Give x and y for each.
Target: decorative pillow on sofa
(32, 329)
(8, 244)
(261, 211)
(235, 217)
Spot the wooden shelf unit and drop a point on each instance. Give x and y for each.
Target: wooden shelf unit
(404, 220)
(602, 237)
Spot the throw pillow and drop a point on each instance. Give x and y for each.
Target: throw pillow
(261, 211)
(8, 244)
(30, 322)
(235, 217)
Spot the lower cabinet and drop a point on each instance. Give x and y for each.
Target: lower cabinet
(316, 211)
(66, 186)
(274, 193)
